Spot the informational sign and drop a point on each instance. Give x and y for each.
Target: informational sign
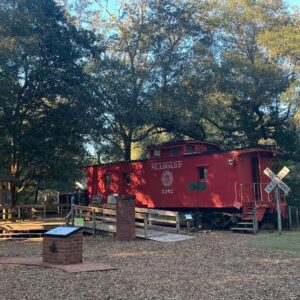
(277, 180)
(62, 231)
(188, 216)
(79, 222)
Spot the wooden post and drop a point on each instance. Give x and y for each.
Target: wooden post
(277, 197)
(177, 223)
(149, 216)
(188, 225)
(94, 223)
(290, 216)
(44, 213)
(254, 220)
(297, 216)
(72, 215)
(146, 226)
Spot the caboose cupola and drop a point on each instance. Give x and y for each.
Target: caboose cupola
(180, 148)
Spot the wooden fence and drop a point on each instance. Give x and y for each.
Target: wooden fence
(103, 218)
(293, 216)
(33, 211)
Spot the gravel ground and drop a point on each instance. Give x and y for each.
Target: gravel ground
(216, 265)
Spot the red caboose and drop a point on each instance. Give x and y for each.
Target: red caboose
(191, 176)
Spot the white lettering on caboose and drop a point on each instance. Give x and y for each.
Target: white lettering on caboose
(166, 165)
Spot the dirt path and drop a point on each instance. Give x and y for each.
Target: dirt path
(217, 265)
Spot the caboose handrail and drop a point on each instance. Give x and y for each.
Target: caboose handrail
(263, 196)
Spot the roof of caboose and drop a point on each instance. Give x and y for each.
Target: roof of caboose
(182, 143)
(241, 151)
(266, 150)
(235, 151)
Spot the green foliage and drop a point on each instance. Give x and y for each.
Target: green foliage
(42, 91)
(150, 49)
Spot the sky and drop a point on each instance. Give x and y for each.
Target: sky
(294, 2)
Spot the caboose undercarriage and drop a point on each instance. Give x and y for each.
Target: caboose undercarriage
(248, 218)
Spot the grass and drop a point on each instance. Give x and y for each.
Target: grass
(287, 241)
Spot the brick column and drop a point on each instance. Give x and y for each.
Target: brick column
(63, 250)
(125, 218)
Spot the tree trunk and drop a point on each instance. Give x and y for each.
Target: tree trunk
(127, 150)
(127, 140)
(36, 195)
(14, 166)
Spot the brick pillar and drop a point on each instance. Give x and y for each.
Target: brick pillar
(125, 218)
(63, 250)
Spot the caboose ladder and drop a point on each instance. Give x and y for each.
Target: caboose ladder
(248, 221)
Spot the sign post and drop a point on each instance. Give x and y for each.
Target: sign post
(277, 197)
(277, 183)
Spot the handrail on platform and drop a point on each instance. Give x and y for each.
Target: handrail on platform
(144, 218)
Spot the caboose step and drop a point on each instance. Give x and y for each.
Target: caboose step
(245, 223)
(247, 218)
(242, 229)
(248, 222)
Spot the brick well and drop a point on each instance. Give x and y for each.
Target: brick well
(63, 250)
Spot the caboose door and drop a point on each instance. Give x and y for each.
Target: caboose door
(256, 178)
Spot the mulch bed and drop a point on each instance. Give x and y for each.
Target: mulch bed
(215, 265)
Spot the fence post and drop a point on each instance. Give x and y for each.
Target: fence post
(255, 224)
(290, 216)
(72, 214)
(297, 216)
(146, 226)
(149, 216)
(177, 223)
(44, 210)
(94, 223)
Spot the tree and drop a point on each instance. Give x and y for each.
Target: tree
(245, 101)
(42, 88)
(150, 47)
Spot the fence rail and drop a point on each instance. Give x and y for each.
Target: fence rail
(104, 218)
(33, 211)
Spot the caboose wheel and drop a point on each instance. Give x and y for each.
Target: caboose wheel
(220, 220)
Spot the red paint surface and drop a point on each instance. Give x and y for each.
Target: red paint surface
(164, 182)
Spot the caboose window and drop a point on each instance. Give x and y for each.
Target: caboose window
(203, 173)
(190, 148)
(126, 178)
(156, 153)
(175, 151)
(211, 149)
(107, 179)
